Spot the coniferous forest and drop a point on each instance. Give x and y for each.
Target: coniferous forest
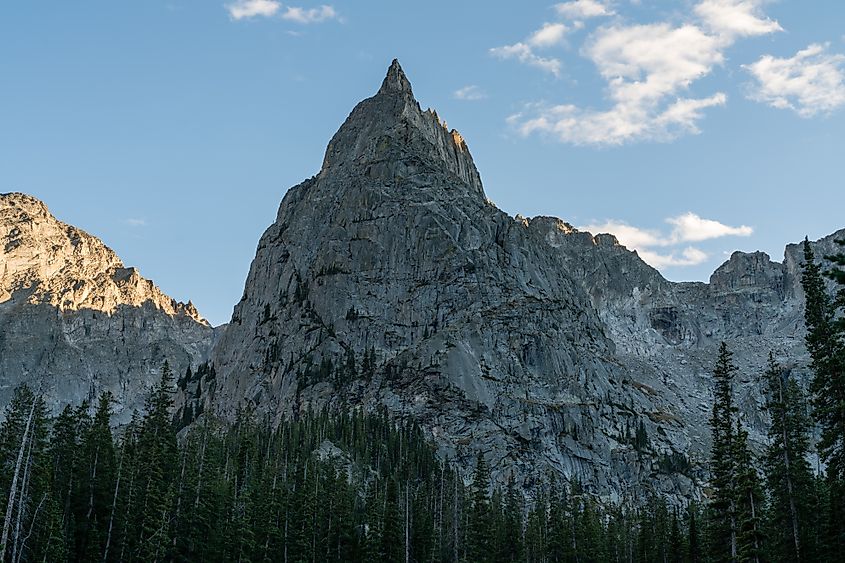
(361, 486)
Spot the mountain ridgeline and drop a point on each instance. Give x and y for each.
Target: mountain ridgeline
(389, 283)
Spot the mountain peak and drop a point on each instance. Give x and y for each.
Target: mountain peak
(396, 81)
(50, 262)
(389, 138)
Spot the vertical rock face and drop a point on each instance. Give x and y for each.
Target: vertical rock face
(480, 327)
(389, 279)
(74, 321)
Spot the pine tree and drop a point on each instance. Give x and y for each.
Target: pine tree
(789, 478)
(26, 475)
(825, 343)
(157, 459)
(749, 501)
(694, 551)
(723, 523)
(828, 354)
(478, 532)
(95, 498)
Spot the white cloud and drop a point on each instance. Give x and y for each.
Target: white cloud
(312, 15)
(549, 35)
(251, 8)
(686, 228)
(526, 55)
(649, 70)
(689, 227)
(736, 18)
(247, 9)
(690, 256)
(583, 9)
(469, 93)
(136, 222)
(630, 236)
(810, 83)
(646, 68)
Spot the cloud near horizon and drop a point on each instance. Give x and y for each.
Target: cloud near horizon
(648, 69)
(661, 249)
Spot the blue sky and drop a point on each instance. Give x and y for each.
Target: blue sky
(172, 129)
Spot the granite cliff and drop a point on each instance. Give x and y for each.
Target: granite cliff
(74, 321)
(389, 279)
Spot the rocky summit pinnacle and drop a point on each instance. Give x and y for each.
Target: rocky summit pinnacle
(396, 82)
(388, 137)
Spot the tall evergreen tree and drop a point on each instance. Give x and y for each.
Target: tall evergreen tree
(479, 537)
(789, 478)
(824, 341)
(157, 460)
(95, 499)
(749, 501)
(723, 524)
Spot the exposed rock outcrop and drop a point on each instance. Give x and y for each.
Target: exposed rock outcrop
(543, 347)
(74, 321)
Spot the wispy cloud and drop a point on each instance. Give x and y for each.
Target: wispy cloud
(581, 9)
(548, 35)
(469, 93)
(689, 256)
(245, 9)
(523, 53)
(663, 249)
(811, 82)
(649, 70)
(133, 222)
(312, 15)
(248, 9)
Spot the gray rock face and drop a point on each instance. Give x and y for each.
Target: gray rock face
(74, 321)
(667, 334)
(388, 279)
(543, 347)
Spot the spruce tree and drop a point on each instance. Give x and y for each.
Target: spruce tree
(825, 343)
(789, 478)
(828, 360)
(723, 522)
(749, 501)
(157, 461)
(479, 539)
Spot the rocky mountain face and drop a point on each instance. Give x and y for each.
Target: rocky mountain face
(74, 321)
(389, 279)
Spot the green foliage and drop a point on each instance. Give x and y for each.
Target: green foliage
(825, 320)
(723, 463)
(789, 477)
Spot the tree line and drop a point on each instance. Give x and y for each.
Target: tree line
(362, 486)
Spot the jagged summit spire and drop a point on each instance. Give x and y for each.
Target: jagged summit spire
(388, 137)
(396, 81)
